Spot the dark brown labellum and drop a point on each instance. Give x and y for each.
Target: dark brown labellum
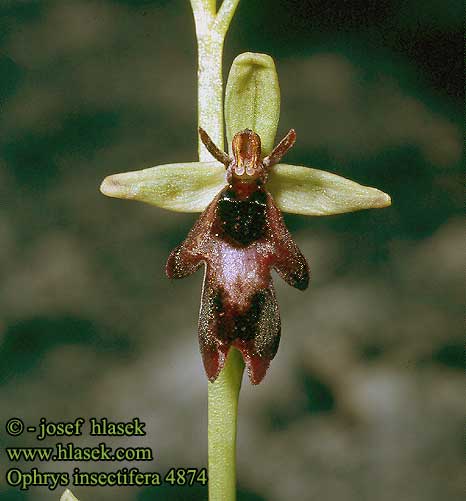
(241, 237)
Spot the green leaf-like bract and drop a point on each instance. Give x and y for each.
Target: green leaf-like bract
(68, 496)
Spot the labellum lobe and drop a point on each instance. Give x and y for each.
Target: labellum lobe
(241, 237)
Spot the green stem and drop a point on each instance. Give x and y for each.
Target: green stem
(211, 28)
(210, 92)
(223, 413)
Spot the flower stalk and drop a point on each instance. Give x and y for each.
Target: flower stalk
(211, 29)
(223, 393)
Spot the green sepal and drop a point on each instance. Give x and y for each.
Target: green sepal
(181, 187)
(252, 99)
(312, 192)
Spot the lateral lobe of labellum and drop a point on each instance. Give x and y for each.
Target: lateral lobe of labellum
(240, 237)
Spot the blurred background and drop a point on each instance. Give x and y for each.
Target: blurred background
(364, 400)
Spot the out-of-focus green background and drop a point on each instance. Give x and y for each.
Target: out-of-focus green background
(364, 400)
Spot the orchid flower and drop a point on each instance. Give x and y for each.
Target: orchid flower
(239, 297)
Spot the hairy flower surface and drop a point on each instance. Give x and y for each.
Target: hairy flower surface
(240, 238)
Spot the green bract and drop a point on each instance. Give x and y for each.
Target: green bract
(68, 496)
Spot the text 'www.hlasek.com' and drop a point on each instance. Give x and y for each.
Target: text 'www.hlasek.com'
(84, 460)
